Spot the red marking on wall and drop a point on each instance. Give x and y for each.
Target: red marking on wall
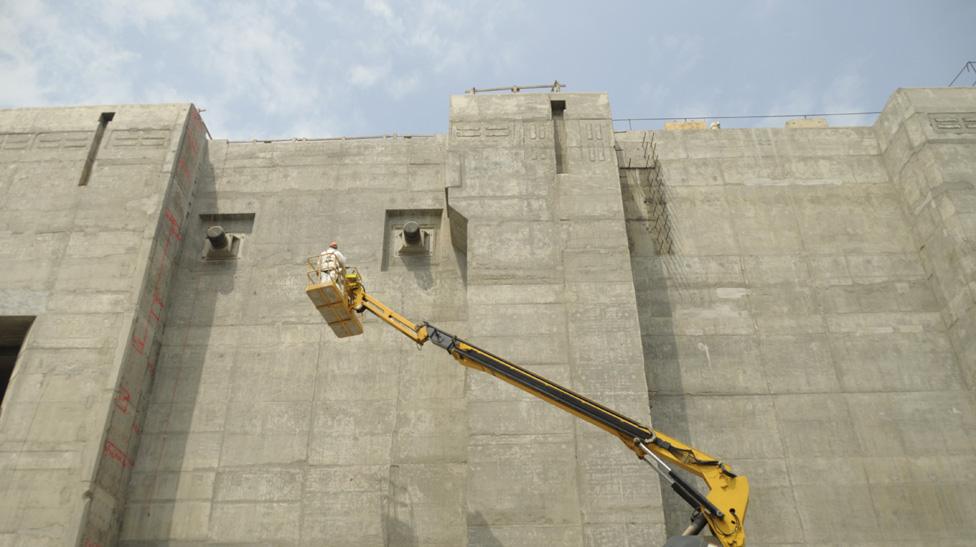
(135, 427)
(151, 367)
(91, 543)
(139, 344)
(184, 170)
(122, 398)
(174, 225)
(117, 454)
(192, 141)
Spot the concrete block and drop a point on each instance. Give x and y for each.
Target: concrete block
(363, 449)
(703, 364)
(826, 517)
(186, 418)
(758, 435)
(433, 381)
(883, 323)
(346, 478)
(15, 421)
(483, 535)
(182, 520)
(775, 270)
(912, 424)
(928, 522)
(815, 425)
(525, 350)
(895, 362)
(689, 217)
(764, 219)
(682, 272)
(806, 123)
(260, 485)
(522, 106)
(827, 270)
(346, 518)
(425, 505)
(178, 452)
(431, 430)
(76, 331)
(683, 173)
(798, 363)
(773, 516)
(49, 423)
(289, 379)
(523, 484)
(614, 485)
(783, 301)
(516, 418)
(688, 125)
(247, 522)
(168, 486)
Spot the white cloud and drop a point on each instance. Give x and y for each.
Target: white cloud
(48, 58)
(380, 8)
(259, 69)
(403, 86)
(367, 76)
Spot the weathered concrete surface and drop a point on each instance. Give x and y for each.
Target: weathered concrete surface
(810, 320)
(264, 427)
(92, 264)
(549, 285)
(927, 138)
(813, 324)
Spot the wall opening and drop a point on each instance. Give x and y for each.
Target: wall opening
(225, 234)
(103, 120)
(13, 332)
(559, 134)
(410, 238)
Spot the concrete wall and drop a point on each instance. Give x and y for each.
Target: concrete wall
(798, 302)
(87, 262)
(802, 329)
(264, 427)
(927, 138)
(549, 286)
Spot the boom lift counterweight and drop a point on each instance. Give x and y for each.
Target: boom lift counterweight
(723, 509)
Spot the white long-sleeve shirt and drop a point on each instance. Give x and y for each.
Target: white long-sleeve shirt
(331, 259)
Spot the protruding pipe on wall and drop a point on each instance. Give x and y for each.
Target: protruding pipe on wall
(217, 236)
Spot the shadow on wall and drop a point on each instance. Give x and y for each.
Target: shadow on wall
(484, 536)
(420, 267)
(398, 517)
(159, 475)
(659, 276)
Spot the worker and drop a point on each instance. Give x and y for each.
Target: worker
(331, 262)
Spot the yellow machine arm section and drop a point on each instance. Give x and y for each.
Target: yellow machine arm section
(723, 509)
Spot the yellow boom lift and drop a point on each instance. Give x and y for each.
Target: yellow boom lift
(339, 295)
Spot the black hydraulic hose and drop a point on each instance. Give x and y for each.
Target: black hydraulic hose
(598, 413)
(619, 423)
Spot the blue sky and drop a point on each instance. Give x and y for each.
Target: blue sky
(329, 68)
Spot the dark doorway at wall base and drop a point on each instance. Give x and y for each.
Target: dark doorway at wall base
(13, 332)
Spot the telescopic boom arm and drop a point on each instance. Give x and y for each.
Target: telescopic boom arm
(723, 509)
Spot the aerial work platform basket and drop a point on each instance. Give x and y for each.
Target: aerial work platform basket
(327, 290)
